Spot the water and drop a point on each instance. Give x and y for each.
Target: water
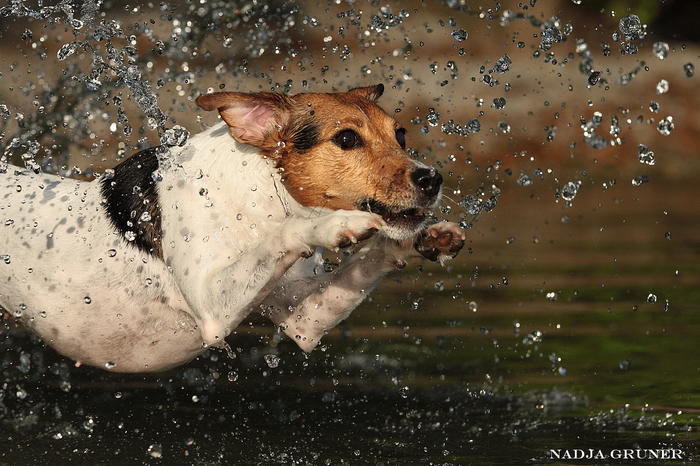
(480, 390)
(569, 321)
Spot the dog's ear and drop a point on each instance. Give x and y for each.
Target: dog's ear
(254, 119)
(370, 93)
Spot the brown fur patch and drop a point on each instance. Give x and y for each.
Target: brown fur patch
(299, 137)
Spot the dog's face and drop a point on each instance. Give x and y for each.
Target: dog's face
(338, 151)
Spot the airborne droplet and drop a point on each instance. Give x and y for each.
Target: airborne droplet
(662, 87)
(272, 360)
(666, 125)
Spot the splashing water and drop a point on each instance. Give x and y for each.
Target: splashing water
(660, 49)
(666, 125)
(529, 107)
(569, 190)
(645, 155)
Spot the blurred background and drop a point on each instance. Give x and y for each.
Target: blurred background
(566, 131)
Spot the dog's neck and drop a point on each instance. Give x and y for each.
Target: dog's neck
(240, 171)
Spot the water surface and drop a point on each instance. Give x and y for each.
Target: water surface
(478, 363)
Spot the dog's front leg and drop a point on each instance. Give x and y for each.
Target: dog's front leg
(220, 292)
(332, 297)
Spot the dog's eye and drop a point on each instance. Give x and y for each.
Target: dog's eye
(401, 137)
(347, 139)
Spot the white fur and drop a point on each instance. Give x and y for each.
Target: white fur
(233, 242)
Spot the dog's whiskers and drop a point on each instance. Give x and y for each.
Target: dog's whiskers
(451, 200)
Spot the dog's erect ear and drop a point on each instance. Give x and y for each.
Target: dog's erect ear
(252, 119)
(370, 93)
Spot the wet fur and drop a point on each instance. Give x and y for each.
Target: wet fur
(237, 226)
(129, 194)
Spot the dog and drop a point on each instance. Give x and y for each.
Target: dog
(143, 268)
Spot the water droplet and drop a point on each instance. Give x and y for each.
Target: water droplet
(155, 450)
(645, 155)
(502, 65)
(524, 180)
(569, 190)
(640, 180)
(666, 126)
(67, 50)
(594, 78)
(433, 117)
(129, 235)
(552, 296)
(651, 298)
(175, 136)
(229, 351)
(21, 393)
(660, 49)
(87, 299)
(631, 27)
(110, 365)
(551, 34)
(532, 338)
(689, 69)
(460, 35)
(662, 87)
(272, 360)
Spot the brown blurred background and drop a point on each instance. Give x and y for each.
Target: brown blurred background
(586, 308)
(418, 58)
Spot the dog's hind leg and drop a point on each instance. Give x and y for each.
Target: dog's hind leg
(329, 299)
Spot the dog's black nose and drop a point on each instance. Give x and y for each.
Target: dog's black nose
(428, 180)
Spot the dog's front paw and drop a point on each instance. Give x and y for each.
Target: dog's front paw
(440, 241)
(345, 227)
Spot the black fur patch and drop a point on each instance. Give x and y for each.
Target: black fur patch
(306, 136)
(132, 201)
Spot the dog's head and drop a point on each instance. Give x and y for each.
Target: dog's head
(338, 151)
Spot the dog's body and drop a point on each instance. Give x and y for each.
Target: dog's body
(135, 273)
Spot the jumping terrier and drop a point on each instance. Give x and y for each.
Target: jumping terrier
(144, 267)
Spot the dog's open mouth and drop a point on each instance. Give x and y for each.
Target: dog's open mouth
(408, 219)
